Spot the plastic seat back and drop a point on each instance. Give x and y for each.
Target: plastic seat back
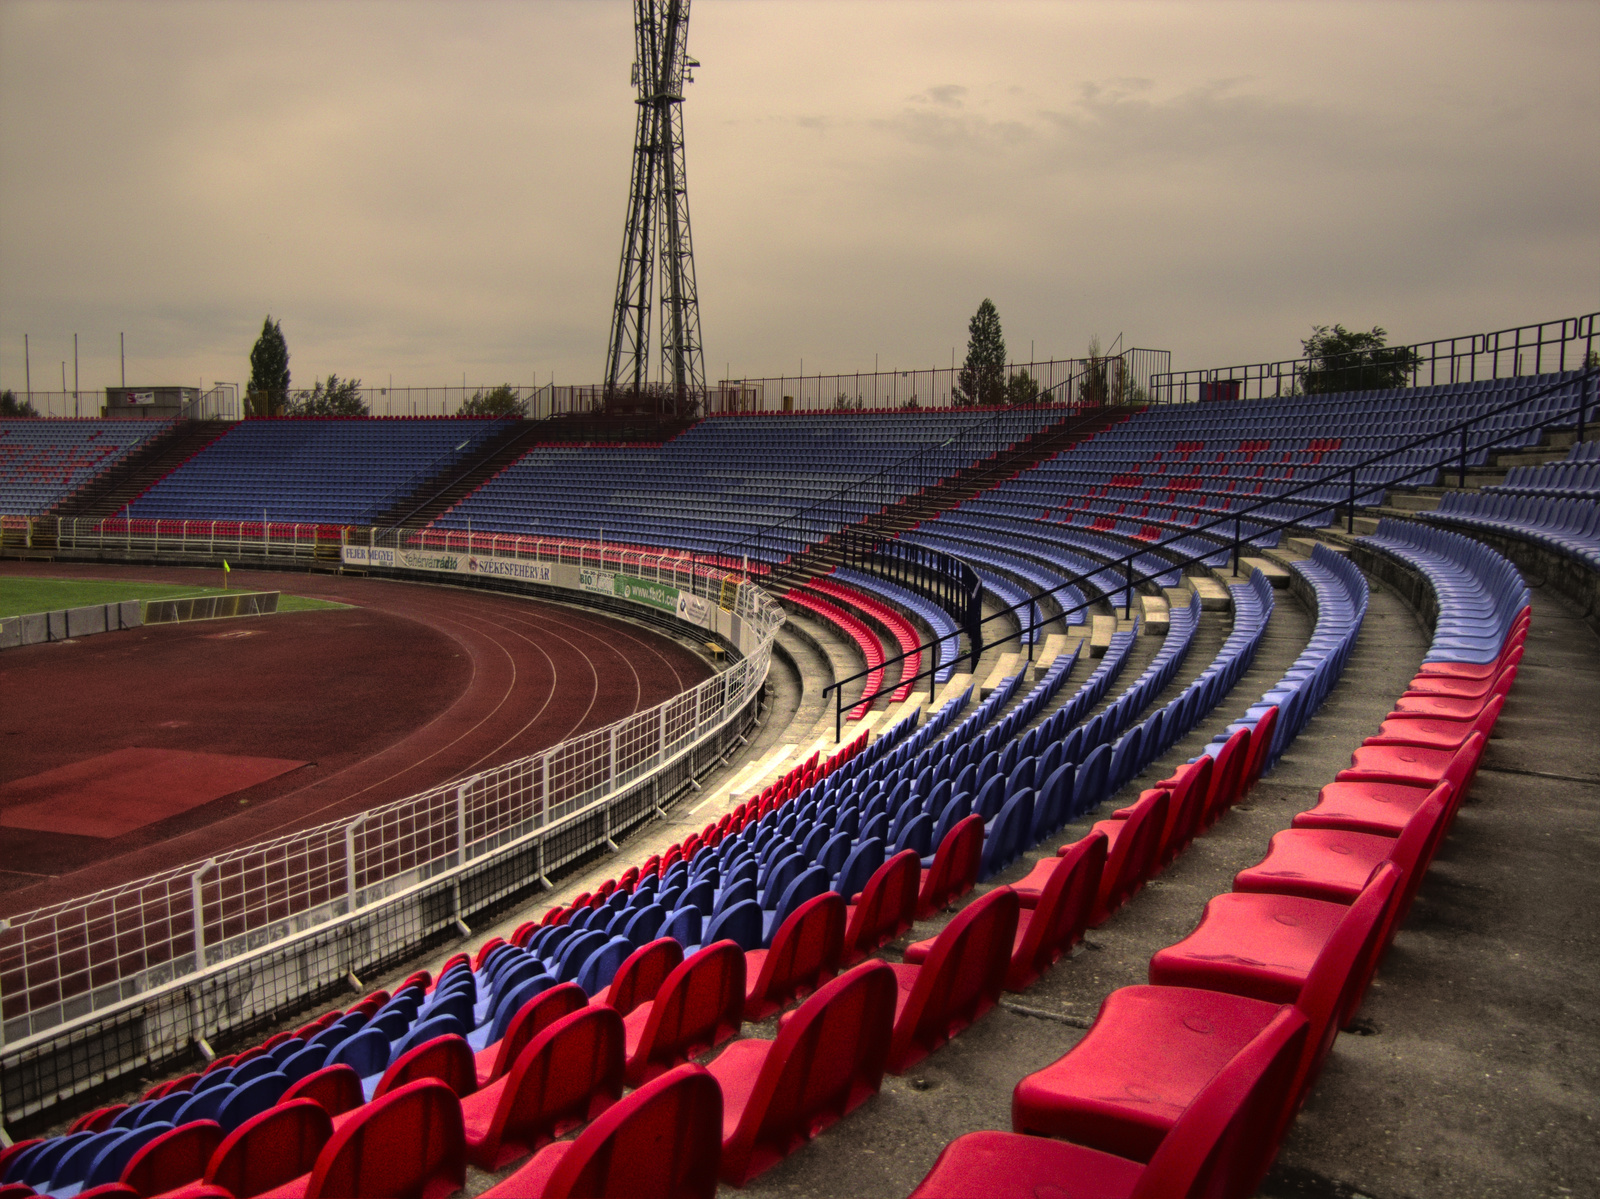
(514, 1000)
(447, 1058)
(1005, 840)
(302, 1062)
(1216, 1143)
(1261, 739)
(639, 978)
(863, 861)
(664, 1139)
(1059, 920)
(173, 1159)
(337, 1089)
(532, 1018)
(255, 1097)
(779, 875)
(1190, 786)
(887, 908)
(828, 1059)
(805, 953)
(407, 1143)
(700, 1005)
(741, 924)
(1225, 774)
(1089, 789)
(114, 1153)
(201, 1105)
(567, 1075)
(1131, 860)
(575, 953)
(955, 867)
(602, 965)
(1053, 801)
(960, 980)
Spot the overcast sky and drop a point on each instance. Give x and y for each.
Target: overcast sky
(433, 190)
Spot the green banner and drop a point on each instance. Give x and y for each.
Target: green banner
(655, 595)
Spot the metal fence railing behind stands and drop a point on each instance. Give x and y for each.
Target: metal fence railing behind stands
(132, 978)
(1524, 350)
(1228, 531)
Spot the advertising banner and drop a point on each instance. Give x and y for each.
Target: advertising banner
(430, 560)
(654, 595)
(141, 397)
(361, 555)
(694, 609)
(601, 581)
(509, 568)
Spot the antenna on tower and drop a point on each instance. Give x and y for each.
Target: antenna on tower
(658, 215)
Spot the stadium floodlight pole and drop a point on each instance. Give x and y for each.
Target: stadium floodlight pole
(656, 239)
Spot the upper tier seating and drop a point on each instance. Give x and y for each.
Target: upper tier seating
(727, 479)
(313, 470)
(42, 462)
(1568, 526)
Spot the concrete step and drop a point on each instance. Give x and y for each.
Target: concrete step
(1412, 502)
(1101, 630)
(1053, 646)
(1214, 597)
(1276, 575)
(1157, 616)
(1008, 665)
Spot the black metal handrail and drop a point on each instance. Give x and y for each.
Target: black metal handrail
(1133, 578)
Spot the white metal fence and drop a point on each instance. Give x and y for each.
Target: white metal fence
(96, 987)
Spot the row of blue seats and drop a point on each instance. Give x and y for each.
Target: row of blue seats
(1480, 593)
(1341, 597)
(1030, 574)
(947, 637)
(1570, 527)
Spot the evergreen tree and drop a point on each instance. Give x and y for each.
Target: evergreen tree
(11, 406)
(982, 379)
(268, 393)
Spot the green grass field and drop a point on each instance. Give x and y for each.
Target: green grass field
(21, 596)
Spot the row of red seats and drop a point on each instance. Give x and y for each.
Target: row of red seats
(866, 641)
(1187, 1086)
(905, 636)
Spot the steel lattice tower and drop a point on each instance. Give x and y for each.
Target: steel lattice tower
(658, 211)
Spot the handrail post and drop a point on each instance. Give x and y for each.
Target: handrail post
(1127, 595)
(838, 714)
(1236, 547)
(1350, 512)
(1461, 472)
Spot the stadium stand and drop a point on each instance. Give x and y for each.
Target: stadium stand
(42, 462)
(1187, 1085)
(312, 469)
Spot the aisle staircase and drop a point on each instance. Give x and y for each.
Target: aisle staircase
(110, 492)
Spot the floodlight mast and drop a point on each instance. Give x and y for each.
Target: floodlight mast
(658, 212)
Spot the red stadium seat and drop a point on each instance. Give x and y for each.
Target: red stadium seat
(271, 1149)
(960, 980)
(700, 1005)
(1225, 777)
(1213, 1141)
(955, 868)
(172, 1159)
(544, 1009)
(1132, 845)
(805, 953)
(664, 1139)
(410, 1142)
(567, 1075)
(828, 1059)
(639, 978)
(447, 1058)
(337, 1089)
(885, 908)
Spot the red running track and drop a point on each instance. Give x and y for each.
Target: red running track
(413, 686)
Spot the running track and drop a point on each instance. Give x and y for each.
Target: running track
(415, 686)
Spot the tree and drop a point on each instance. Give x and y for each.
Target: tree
(335, 397)
(1340, 359)
(1022, 388)
(1094, 386)
(11, 406)
(982, 379)
(498, 401)
(268, 392)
